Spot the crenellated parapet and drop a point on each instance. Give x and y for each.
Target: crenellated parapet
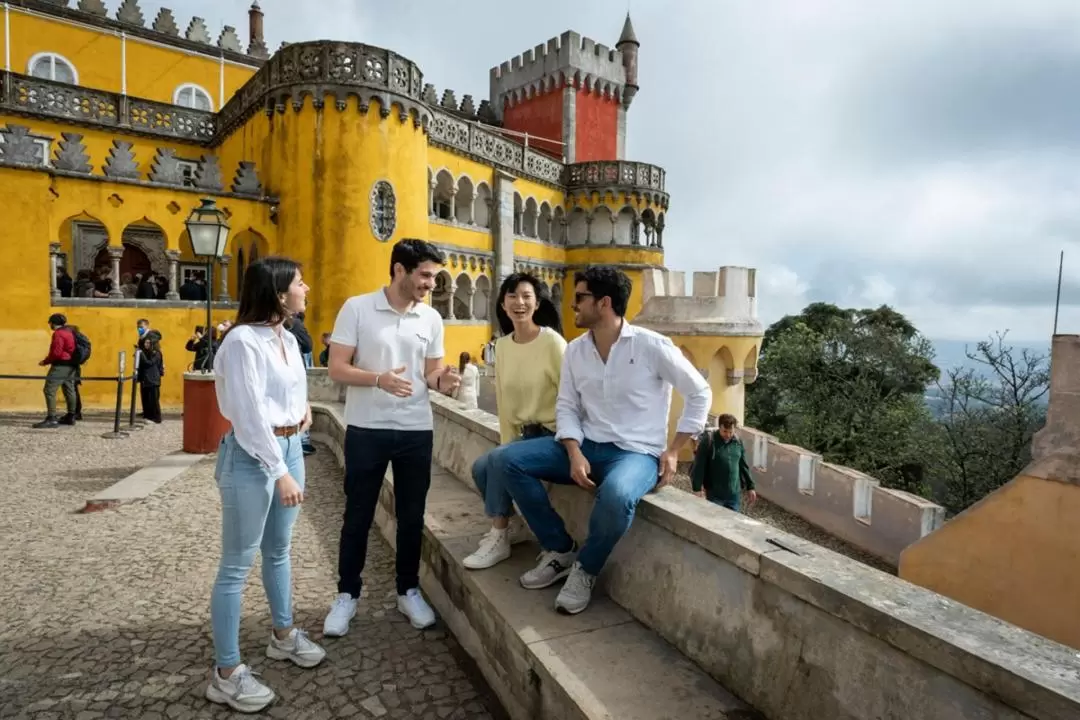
(336, 69)
(722, 303)
(617, 177)
(467, 109)
(568, 60)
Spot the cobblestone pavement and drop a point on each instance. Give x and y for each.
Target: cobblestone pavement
(107, 614)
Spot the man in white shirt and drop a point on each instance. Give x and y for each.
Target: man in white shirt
(611, 434)
(387, 348)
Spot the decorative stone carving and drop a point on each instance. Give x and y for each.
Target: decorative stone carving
(130, 12)
(72, 154)
(448, 100)
(171, 120)
(173, 257)
(58, 3)
(166, 23)
(116, 254)
(246, 181)
(121, 161)
(383, 210)
(429, 95)
(197, 32)
(166, 168)
(467, 105)
(617, 177)
(486, 113)
(208, 174)
(18, 146)
(229, 40)
(94, 7)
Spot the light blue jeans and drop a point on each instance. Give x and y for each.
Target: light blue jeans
(622, 478)
(252, 518)
(497, 501)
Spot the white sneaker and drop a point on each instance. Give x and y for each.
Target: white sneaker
(550, 568)
(341, 612)
(494, 548)
(240, 691)
(297, 647)
(576, 592)
(413, 606)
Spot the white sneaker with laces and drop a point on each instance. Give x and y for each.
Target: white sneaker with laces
(341, 612)
(240, 691)
(413, 606)
(494, 548)
(297, 647)
(576, 592)
(551, 567)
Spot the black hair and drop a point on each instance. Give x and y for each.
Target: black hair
(265, 281)
(410, 252)
(58, 320)
(546, 314)
(605, 281)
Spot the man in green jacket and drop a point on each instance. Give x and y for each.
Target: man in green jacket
(720, 472)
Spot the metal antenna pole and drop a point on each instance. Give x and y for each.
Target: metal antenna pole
(1057, 302)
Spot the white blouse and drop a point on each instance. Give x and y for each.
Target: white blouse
(468, 390)
(257, 390)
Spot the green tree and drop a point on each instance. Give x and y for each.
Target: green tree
(849, 384)
(987, 421)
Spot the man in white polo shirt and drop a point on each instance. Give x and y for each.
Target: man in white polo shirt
(387, 348)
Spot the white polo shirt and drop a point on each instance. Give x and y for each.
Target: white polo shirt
(385, 340)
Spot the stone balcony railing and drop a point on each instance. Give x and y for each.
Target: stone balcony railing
(21, 94)
(617, 176)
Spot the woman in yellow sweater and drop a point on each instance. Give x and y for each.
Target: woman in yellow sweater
(528, 361)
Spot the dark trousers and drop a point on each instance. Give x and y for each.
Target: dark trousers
(151, 402)
(60, 377)
(367, 453)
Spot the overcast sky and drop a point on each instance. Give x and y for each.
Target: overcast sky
(919, 153)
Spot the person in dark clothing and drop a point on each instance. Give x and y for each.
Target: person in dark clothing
(77, 383)
(84, 285)
(324, 356)
(200, 344)
(62, 373)
(303, 339)
(191, 291)
(151, 370)
(64, 283)
(720, 472)
(147, 288)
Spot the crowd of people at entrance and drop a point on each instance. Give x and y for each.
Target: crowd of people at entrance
(591, 413)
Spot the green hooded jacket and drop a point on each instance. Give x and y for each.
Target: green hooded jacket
(720, 467)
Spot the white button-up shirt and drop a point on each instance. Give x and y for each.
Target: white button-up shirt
(626, 400)
(259, 390)
(384, 340)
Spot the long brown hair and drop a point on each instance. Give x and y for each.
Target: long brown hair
(265, 281)
(463, 360)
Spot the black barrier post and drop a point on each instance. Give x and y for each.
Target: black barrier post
(132, 425)
(116, 434)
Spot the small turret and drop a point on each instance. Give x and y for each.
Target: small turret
(256, 43)
(628, 45)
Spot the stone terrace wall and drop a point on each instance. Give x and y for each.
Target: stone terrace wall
(797, 631)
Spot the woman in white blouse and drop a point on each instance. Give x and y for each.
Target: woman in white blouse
(468, 392)
(262, 390)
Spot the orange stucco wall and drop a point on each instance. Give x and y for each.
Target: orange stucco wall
(597, 127)
(1013, 555)
(541, 116)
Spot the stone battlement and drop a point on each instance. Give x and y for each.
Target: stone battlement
(467, 108)
(565, 60)
(721, 303)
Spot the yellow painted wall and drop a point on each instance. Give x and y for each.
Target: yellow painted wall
(45, 204)
(1013, 555)
(468, 338)
(537, 250)
(153, 72)
(458, 165)
(446, 234)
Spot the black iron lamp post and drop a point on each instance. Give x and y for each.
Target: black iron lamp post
(209, 232)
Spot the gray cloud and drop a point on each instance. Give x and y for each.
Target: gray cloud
(914, 152)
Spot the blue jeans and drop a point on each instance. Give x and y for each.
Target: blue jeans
(622, 478)
(497, 501)
(730, 503)
(252, 518)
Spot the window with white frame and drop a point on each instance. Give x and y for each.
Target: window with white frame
(50, 66)
(43, 150)
(194, 97)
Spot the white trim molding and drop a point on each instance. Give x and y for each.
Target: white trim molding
(54, 57)
(195, 89)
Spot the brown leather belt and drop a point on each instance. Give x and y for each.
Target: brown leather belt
(287, 431)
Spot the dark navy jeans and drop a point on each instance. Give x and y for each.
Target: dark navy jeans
(622, 478)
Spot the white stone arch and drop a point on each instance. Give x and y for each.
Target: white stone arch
(463, 200)
(577, 228)
(52, 66)
(519, 209)
(481, 301)
(193, 96)
(444, 195)
(463, 297)
(543, 230)
(625, 224)
(482, 205)
(440, 296)
(558, 226)
(529, 221)
(602, 231)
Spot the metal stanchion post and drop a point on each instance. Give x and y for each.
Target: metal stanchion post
(132, 425)
(116, 434)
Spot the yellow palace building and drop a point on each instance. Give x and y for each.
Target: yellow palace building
(114, 125)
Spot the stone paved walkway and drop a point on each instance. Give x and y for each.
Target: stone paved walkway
(106, 614)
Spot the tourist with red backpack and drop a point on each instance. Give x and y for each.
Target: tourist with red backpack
(67, 351)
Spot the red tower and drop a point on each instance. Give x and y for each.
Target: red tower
(570, 96)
